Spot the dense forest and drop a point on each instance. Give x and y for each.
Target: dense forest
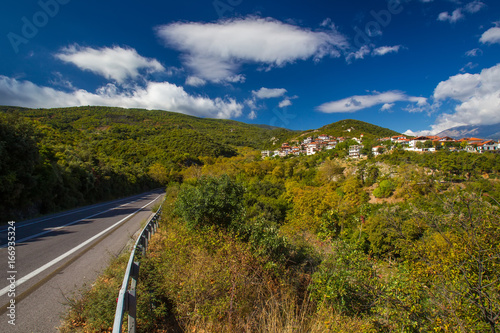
(53, 159)
(402, 242)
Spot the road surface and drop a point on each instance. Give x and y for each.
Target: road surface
(55, 256)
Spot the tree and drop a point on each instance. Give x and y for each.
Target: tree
(211, 201)
(459, 262)
(384, 189)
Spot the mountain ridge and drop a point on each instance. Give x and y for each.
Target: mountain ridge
(480, 131)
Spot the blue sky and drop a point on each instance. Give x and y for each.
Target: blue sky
(415, 66)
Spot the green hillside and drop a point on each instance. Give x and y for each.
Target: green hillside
(352, 128)
(53, 159)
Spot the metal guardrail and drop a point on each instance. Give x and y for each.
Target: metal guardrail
(127, 301)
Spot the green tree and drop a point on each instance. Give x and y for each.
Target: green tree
(211, 201)
(384, 189)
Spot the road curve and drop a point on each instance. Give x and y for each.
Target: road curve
(56, 255)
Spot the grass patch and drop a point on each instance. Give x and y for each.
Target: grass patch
(93, 308)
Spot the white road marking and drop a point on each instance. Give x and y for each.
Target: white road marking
(19, 241)
(73, 250)
(18, 226)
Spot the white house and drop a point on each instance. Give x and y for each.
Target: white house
(312, 148)
(331, 145)
(266, 153)
(487, 146)
(377, 149)
(355, 151)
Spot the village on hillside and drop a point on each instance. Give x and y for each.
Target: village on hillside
(311, 145)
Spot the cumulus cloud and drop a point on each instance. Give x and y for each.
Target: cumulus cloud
(264, 93)
(117, 63)
(458, 14)
(387, 106)
(195, 81)
(478, 97)
(474, 52)
(455, 16)
(356, 103)
(359, 54)
(366, 50)
(252, 115)
(155, 95)
(474, 6)
(383, 50)
(491, 36)
(216, 51)
(284, 103)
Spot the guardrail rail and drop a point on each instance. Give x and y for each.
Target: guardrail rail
(127, 301)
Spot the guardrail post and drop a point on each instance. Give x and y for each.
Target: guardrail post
(132, 298)
(127, 298)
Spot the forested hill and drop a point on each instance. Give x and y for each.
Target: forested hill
(354, 128)
(53, 159)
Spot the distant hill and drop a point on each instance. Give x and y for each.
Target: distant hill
(53, 159)
(176, 132)
(479, 131)
(352, 128)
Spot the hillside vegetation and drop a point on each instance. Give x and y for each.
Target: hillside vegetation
(52, 159)
(403, 242)
(354, 129)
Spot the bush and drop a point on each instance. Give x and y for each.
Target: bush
(384, 189)
(210, 202)
(346, 280)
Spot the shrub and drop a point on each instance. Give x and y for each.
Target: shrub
(346, 280)
(384, 189)
(211, 201)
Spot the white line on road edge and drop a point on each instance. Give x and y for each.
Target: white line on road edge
(73, 250)
(57, 215)
(67, 225)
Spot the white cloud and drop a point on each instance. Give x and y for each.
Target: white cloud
(469, 65)
(478, 98)
(195, 81)
(252, 115)
(263, 93)
(284, 103)
(458, 14)
(383, 50)
(117, 63)
(474, 53)
(387, 106)
(356, 103)
(409, 132)
(215, 51)
(366, 50)
(491, 36)
(359, 54)
(156, 95)
(459, 87)
(474, 6)
(454, 17)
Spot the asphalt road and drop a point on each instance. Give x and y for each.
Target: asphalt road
(55, 256)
